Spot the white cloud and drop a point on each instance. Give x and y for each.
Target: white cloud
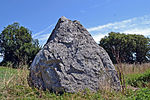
(137, 25)
(41, 32)
(99, 27)
(43, 37)
(145, 32)
(115, 24)
(98, 37)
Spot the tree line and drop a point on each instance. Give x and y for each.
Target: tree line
(19, 48)
(126, 48)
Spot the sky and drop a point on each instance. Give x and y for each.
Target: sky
(99, 16)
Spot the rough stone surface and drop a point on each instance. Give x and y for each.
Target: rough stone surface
(72, 61)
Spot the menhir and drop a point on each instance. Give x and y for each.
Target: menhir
(72, 61)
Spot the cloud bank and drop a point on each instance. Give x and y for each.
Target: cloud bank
(137, 25)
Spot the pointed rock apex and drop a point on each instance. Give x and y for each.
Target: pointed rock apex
(63, 18)
(71, 61)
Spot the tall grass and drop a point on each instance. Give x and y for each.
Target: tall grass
(14, 85)
(134, 68)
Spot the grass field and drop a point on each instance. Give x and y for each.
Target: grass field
(14, 85)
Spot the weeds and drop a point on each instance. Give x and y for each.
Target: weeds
(14, 85)
(139, 80)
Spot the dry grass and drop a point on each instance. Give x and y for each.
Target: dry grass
(13, 83)
(123, 71)
(134, 68)
(15, 86)
(132, 72)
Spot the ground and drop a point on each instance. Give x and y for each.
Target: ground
(14, 85)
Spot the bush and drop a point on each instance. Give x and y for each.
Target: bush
(17, 45)
(139, 80)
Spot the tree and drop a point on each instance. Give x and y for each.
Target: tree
(17, 45)
(126, 48)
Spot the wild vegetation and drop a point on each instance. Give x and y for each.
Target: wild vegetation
(19, 50)
(128, 48)
(17, 45)
(14, 85)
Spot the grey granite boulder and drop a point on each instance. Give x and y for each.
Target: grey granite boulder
(72, 61)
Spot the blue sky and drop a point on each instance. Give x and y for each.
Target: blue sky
(98, 16)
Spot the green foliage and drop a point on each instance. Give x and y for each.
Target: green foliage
(16, 87)
(142, 94)
(5, 75)
(126, 48)
(17, 45)
(139, 80)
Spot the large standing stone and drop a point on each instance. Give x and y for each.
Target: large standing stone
(72, 61)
